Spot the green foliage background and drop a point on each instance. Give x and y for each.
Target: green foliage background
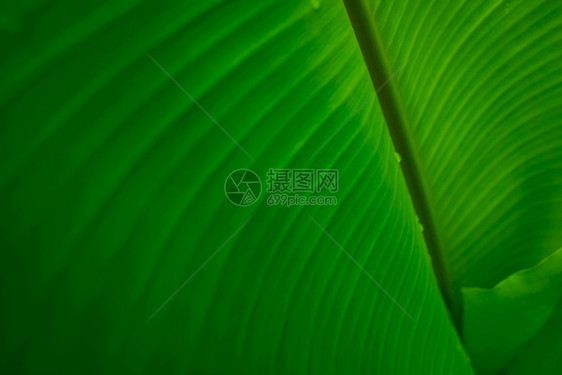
(121, 254)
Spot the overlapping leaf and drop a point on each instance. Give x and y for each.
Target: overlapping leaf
(498, 323)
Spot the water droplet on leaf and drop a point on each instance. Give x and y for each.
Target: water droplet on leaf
(419, 223)
(398, 157)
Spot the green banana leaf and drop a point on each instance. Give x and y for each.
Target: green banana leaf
(480, 96)
(122, 120)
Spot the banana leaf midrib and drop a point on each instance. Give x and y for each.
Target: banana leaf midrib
(396, 119)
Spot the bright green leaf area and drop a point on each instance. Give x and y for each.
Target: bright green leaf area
(481, 93)
(121, 120)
